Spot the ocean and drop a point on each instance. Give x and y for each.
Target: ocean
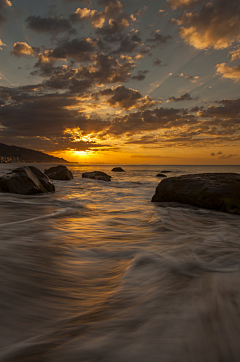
(97, 272)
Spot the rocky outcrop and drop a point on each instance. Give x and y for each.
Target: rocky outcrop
(97, 175)
(59, 173)
(217, 191)
(118, 169)
(26, 180)
(160, 175)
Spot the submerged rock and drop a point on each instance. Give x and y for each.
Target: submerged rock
(97, 175)
(118, 169)
(166, 171)
(27, 180)
(160, 175)
(59, 173)
(217, 191)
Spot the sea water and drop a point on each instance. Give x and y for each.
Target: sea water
(97, 272)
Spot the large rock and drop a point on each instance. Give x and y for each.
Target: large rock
(160, 175)
(27, 180)
(217, 191)
(97, 175)
(118, 169)
(59, 173)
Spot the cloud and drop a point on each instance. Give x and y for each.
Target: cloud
(224, 157)
(162, 12)
(3, 5)
(35, 117)
(127, 98)
(235, 54)
(157, 62)
(141, 75)
(141, 11)
(202, 28)
(228, 72)
(76, 49)
(115, 26)
(112, 13)
(183, 97)
(23, 49)
(97, 18)
(43, 120)
(128, 45)
(53, 25)
(2, 44)
(192, 78)
(158, 38)
(184, 3)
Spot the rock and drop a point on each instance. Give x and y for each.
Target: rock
(160, 175)
(27, 180)
(166, 171)
(118, 169)
(217, 191)
(59, 173)
(97, 175)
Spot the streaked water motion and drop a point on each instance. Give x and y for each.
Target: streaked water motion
(96, 272)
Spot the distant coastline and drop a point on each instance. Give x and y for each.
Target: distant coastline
(15, 154)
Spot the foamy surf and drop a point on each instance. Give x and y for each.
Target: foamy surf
(96, 272)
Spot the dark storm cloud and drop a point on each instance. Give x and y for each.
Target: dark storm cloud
(141, 75)
(215, 25)
(183, 97)
(53, 25)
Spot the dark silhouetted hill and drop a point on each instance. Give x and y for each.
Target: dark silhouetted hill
(27, 155)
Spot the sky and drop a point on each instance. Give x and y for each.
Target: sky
(123, 82)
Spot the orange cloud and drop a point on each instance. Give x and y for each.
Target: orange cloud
(235, 54)
(1, 44)
(22, 48)
(228, 72)
(182, 3)
(215, 25)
